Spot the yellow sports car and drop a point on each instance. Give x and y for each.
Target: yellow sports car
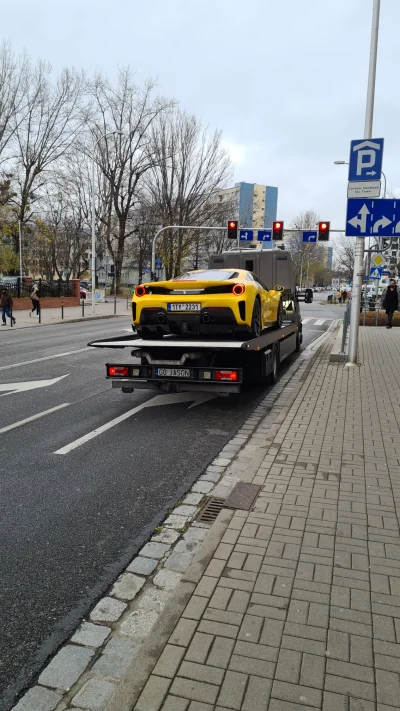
(203, 302)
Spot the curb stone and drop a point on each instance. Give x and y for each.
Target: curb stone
(132, 618)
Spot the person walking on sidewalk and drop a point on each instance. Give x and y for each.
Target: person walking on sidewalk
(6, 307)
(35, 298)
(344, 295)
(390, 301)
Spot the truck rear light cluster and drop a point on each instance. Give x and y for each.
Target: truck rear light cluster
(140, 290)
(231, 375)
(122, 371)
(238, 289)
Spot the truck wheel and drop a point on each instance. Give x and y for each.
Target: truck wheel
(298, 342)
(256, 320)
(273, 376)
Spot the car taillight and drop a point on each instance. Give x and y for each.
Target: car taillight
(140, 290)
(231, 375)
(238, 289)
(121, 370)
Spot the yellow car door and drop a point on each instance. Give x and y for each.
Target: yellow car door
(268, 305)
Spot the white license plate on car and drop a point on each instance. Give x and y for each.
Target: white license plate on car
(184, 307)
(173, 372)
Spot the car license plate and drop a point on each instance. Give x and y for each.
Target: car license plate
(184, 307)
(173, 372)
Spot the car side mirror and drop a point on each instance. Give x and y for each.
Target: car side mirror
(279, 288)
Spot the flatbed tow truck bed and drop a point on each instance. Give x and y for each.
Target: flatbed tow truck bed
(176, 364)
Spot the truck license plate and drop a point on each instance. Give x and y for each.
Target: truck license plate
(173, 372)
(184, 307)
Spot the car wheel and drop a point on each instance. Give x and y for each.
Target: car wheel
(279, 317)
(298, 342)
(256, 320)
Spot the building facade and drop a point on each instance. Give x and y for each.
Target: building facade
(253, 205)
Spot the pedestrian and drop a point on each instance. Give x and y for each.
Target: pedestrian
(6, 307)
(35, 298)
(344, 295)
(339, 296)
(390, 301)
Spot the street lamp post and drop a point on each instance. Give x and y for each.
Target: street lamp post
(93, 270)
(359, 254)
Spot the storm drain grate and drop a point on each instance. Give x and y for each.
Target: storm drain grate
(210, 511)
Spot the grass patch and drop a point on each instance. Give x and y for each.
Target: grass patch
(370, 319)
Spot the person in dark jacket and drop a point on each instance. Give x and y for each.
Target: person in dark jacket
(390, 301)
(6, 307)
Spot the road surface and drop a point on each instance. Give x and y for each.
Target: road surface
(72, 517)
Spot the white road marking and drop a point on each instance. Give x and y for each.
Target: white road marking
(11, 388)
(320, 322)
(34, 417)
(158, 400)
(306, 320)
(38, 360)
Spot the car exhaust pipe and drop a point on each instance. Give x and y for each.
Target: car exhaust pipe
(160, 318)
(206, 318)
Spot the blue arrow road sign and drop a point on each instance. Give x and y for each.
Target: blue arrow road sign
(365, 161)
(158, 263)
(309, 236)
(246, 235)
(375, 273)
(373, 218)
(264, 235)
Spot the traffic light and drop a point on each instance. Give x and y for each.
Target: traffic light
(323, 231)
(232, 229)
(277, 230)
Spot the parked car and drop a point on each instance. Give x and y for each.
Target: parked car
(83, 292)
(305, 295)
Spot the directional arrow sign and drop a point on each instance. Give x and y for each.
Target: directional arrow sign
(264, 236)
(360, 220)
(11, 388)
(310, 236)
(246, 235)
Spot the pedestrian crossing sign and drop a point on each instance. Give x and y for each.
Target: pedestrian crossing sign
(375, 273)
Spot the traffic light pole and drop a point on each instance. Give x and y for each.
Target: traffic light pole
(358, 272)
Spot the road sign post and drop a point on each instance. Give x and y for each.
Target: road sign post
(361, 162)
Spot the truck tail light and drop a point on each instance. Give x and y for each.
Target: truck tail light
(231, 375)
(238, 289)
(121, 370)
(140, 290)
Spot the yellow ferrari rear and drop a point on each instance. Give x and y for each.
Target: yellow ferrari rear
(202, 303)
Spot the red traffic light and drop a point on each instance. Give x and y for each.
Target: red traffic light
(232, 229)
(323, 230)
(277, 230)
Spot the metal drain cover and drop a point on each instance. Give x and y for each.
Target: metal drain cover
(210, 511)
(242, 496)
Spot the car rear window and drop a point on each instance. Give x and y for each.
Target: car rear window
(207, 275)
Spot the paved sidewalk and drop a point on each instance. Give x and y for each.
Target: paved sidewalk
(71, 313)
(299, 605)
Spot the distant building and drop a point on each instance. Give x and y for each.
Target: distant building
(329, 257)
(253, 205)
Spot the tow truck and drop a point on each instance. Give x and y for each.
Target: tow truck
(218, 365)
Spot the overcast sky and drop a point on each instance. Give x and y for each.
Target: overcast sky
(284, 79)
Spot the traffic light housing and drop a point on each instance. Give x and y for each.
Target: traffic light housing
(232, 229)
(323, 231)
(277, 230)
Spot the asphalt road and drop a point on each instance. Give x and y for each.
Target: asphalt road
(70, 522)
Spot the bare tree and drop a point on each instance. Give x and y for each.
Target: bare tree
(13, 83)
(344, 256)
(123, 115)
(189, 167)
(304, 254)
(52, 117)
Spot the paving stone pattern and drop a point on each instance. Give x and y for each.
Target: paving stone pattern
(300, 607)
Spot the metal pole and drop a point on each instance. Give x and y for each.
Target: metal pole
(20, 251)
(93, 236)
(62, 310)
(359, 255)
(384, 189)
(115, 291)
